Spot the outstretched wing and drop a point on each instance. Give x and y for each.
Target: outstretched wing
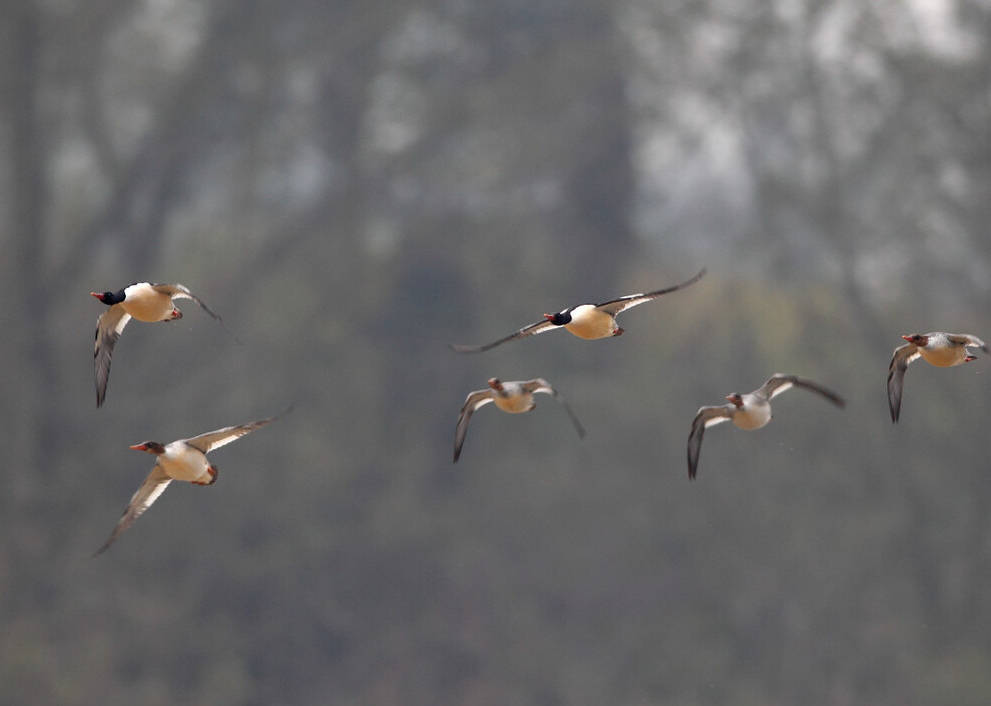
(529, 330)
(221, 437)
(966, 339)
(108, 329)
(704, 418)
(154, 485)
(900, 361)
(541, 385)
(181, 291)
(630, 300)
(476, 399)
(778, 383)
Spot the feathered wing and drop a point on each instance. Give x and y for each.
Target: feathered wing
(476, 399)
(528, 330)
(211, 440)
(966, 339)
(108, 329)
(541, 385)
(705, 417)
(181, 291)
(778, 383)
(623, 303)
(900, 361)
(154, 485)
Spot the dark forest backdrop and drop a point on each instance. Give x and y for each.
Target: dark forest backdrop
(353, 185)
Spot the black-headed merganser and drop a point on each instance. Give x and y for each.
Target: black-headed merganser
(142, 301)
(588, 321)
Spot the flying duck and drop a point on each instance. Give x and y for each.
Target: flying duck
(142, 301)
(514, 397)
(944, 350)
(588, 321)
(183, 459)
(749, 411)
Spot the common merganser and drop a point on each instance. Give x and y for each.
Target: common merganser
(514, 397)
(183, 459)
(588, 321)
(748, 411)
(142, 301)
(944, 350)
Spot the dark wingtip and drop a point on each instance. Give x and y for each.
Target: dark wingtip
(696, 278)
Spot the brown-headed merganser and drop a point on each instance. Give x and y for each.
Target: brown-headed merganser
(183, 459)
(142, 301)
(589, 321)
(944, 350)
(514, 397)
(749, 411)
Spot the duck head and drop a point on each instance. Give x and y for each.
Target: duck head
(560, 318)
(917, 338)
(736, 398)
(109, 298)
(152, 447)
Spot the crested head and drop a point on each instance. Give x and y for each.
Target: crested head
(495, 384)
(109, 298)
(152, 447)
(736, 398)
(917, 338)
(560, 318)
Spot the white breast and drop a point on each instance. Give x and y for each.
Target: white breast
(145, 304)
(182, 462)
(588, 322)
(753, 415)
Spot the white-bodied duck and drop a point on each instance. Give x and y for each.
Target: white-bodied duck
(944, 350)
(588, 321)
(183, 459)
(514, 397)
(749, 411)
(143, 301)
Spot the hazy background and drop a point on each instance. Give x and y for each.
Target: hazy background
(355, 184)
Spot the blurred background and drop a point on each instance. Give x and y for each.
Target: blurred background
(352, 186)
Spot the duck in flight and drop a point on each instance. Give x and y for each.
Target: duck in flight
(183, 459)
(749, 411)
(588, 321)
(944, 350)
(142, 301)
(514, 397)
